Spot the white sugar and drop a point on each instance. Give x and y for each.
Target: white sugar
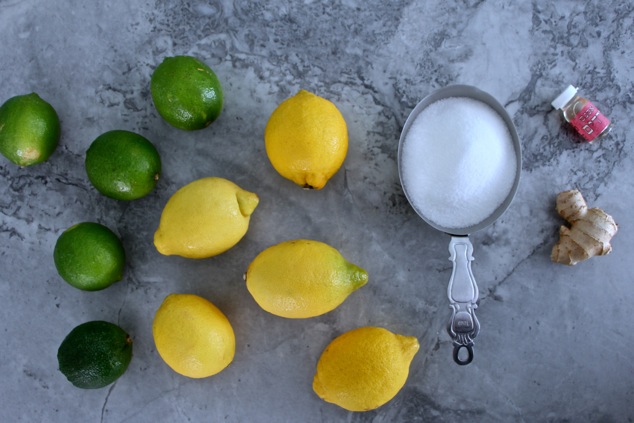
(458, 162)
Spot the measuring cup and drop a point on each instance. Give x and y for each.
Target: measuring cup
(462, 290)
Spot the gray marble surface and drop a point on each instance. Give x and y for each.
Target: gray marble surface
(556, 341)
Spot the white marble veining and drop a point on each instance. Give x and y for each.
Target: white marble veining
(555, 340)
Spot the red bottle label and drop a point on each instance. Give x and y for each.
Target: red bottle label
(590, 122)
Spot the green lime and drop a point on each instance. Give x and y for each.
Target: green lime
(123, 165)
(94, 354)
(89, 256)
(29, 129)
(186, 92)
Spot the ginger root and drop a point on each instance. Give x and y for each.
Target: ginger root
(589, 234)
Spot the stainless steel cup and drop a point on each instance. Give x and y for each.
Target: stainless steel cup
(462, 290)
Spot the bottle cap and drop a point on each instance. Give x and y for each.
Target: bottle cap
(564, 97)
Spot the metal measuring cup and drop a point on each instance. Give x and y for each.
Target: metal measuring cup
(462, 290)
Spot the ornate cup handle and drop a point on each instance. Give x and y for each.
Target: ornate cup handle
(463, 297)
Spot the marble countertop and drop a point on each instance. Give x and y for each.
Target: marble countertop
(555, 340)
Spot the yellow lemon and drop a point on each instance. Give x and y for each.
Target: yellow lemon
(364, 368)
(302, 278)
(193, 336)
(306, 139)
(204, 218)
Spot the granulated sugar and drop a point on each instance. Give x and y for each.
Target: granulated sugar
(458, 162)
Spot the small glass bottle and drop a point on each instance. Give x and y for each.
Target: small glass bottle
(584, 116)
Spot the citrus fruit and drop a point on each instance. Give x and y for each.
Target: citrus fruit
(94, 354)
(306, 139)
(204, 218)
(29, 129)
(302, 278)
(123, 165)
(186, 92)
(89, 256)
(193, 336)
(364, 368)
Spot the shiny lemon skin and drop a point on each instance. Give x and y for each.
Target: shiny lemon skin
(306, 139)
(204, 218)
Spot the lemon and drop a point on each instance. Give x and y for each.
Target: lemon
(94, 354)
(302, 278)
(193, 336)
(364, 368)
(29, 129)
(204, 218)
(306, 139)
(123, 165)
(186, 92)
(89, 256)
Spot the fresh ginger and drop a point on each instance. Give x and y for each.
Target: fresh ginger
(590, 230)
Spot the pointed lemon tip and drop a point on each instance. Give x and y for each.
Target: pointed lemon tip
(303, 92)
(410, 346)
(314, 181)
(318, 387)
(160, 244)
(247, 202)
(358, 276)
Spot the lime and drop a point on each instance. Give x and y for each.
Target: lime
(186, 92)
(123, 165)
(94, 354)
(29, 129)
(89, 256)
